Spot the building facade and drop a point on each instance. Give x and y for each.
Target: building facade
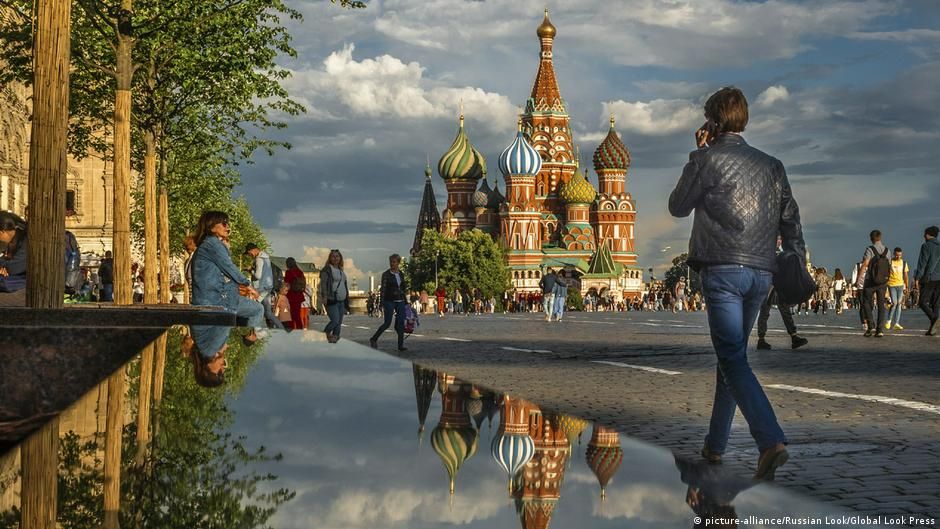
(552, 216)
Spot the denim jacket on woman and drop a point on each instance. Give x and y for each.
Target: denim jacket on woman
(215, 276)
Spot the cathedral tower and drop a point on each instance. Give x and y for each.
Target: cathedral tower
(520, 215)
(460, 167)
(614, 213)
(428, 217)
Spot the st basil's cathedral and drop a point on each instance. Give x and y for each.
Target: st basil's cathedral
(551, 216)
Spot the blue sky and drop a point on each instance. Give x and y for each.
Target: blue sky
(843, 92)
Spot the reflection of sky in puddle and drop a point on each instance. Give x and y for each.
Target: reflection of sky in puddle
(345, 419)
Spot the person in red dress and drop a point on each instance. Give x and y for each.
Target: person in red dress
(296, 283)
(441, 295)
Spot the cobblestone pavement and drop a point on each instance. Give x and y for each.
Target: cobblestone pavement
(862, 414)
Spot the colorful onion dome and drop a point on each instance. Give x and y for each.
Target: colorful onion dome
(482, 195)
(572, 426)
(462, 161)
(611, 153)
(520, 158)
(604, 455)
(546, 30)
(512, 452)
(578, 190)
(454, 446)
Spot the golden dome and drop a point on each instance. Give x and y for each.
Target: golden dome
(578, 191)
(546, 30)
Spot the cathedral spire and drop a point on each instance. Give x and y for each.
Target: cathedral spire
(429, 217)
(545, 94)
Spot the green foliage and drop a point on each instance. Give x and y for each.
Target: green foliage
(679, 270)
(471, 261)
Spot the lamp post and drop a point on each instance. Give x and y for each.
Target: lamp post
(437, 256)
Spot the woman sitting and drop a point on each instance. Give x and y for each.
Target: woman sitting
(13, 260)
(216, 279)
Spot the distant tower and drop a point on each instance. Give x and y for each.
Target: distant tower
(614, 213)
(487, 216)
(428, 218)
(577, 233)
(460, 167)
(520, 215)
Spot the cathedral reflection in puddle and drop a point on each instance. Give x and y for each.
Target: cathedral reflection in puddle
(303, 433)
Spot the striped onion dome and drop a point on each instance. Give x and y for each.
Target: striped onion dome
(482, 197)
(462, 161)
(512, 452)
(520, 158)
(612, 153)
(454, 446)
(604, 462)
(578, 190)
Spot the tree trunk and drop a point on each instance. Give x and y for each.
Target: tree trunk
(143, 403)
(164, 235)
(150, 218)
(48, 163)
(121, 245)
(114, 428)
(40, 460)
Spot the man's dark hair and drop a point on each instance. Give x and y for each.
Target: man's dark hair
(933, 231)
(875, 235)
(898, 249)
(251, 246)
(728, 108)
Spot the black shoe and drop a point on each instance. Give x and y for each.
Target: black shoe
(879, 334)
(402, 349)
(869, 333)
(373, 343)
(763, 345)
(711, 457)
(797, 341)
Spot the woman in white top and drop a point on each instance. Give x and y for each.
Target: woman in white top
(334, 293)
(838, 287)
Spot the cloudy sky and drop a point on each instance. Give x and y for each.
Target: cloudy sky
(843, 92)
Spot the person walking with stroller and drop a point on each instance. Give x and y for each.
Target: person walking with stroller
(393, 288)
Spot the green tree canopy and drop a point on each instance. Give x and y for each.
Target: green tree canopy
(471, 261)
(679, 270)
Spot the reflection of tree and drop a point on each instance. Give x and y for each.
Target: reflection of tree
(195, 474)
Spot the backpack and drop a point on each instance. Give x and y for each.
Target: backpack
(298, 284)
(879, 268)
(792, 282)
(411, 319)
(73, 262)
(278, 276)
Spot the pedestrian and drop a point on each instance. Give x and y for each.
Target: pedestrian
(334, 293)
(680, 303)
(560, 295)
(263, 281)
(742, 201)
(282, 308)
(927, 277)
(216, 279)
(897, 289)
(796, 341)
(838, 288)
(547, 284)
(823, 290)
(297, 284)
(13, 260)
(106, 277)
(441, 295)
(393, 287)
(873, 280)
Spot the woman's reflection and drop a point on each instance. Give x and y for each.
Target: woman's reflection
(205, 347)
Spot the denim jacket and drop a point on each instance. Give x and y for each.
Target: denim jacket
(215, 276)
(928, 263)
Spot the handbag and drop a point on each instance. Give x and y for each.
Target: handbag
(792, 282)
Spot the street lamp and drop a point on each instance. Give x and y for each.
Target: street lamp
(437, 255)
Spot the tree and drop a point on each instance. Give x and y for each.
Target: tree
(681, 270)
(471, 261)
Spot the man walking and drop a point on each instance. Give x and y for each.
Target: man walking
(897, 289)
(547, 284)
(796, 341)
(263, 279)
(873, 280)
(927, 277)
(742, 200)
(560, 294)
(106, 277)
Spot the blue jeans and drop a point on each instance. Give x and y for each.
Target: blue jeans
(252, 311)
(398, 308)
(559, 309)
(268, 312)
(897, 297)
(734, 295)
(336, 311)
(107, 292)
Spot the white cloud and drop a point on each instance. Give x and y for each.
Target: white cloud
(773, 94)
(906, 35)
(658, 117)
(387, 87)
